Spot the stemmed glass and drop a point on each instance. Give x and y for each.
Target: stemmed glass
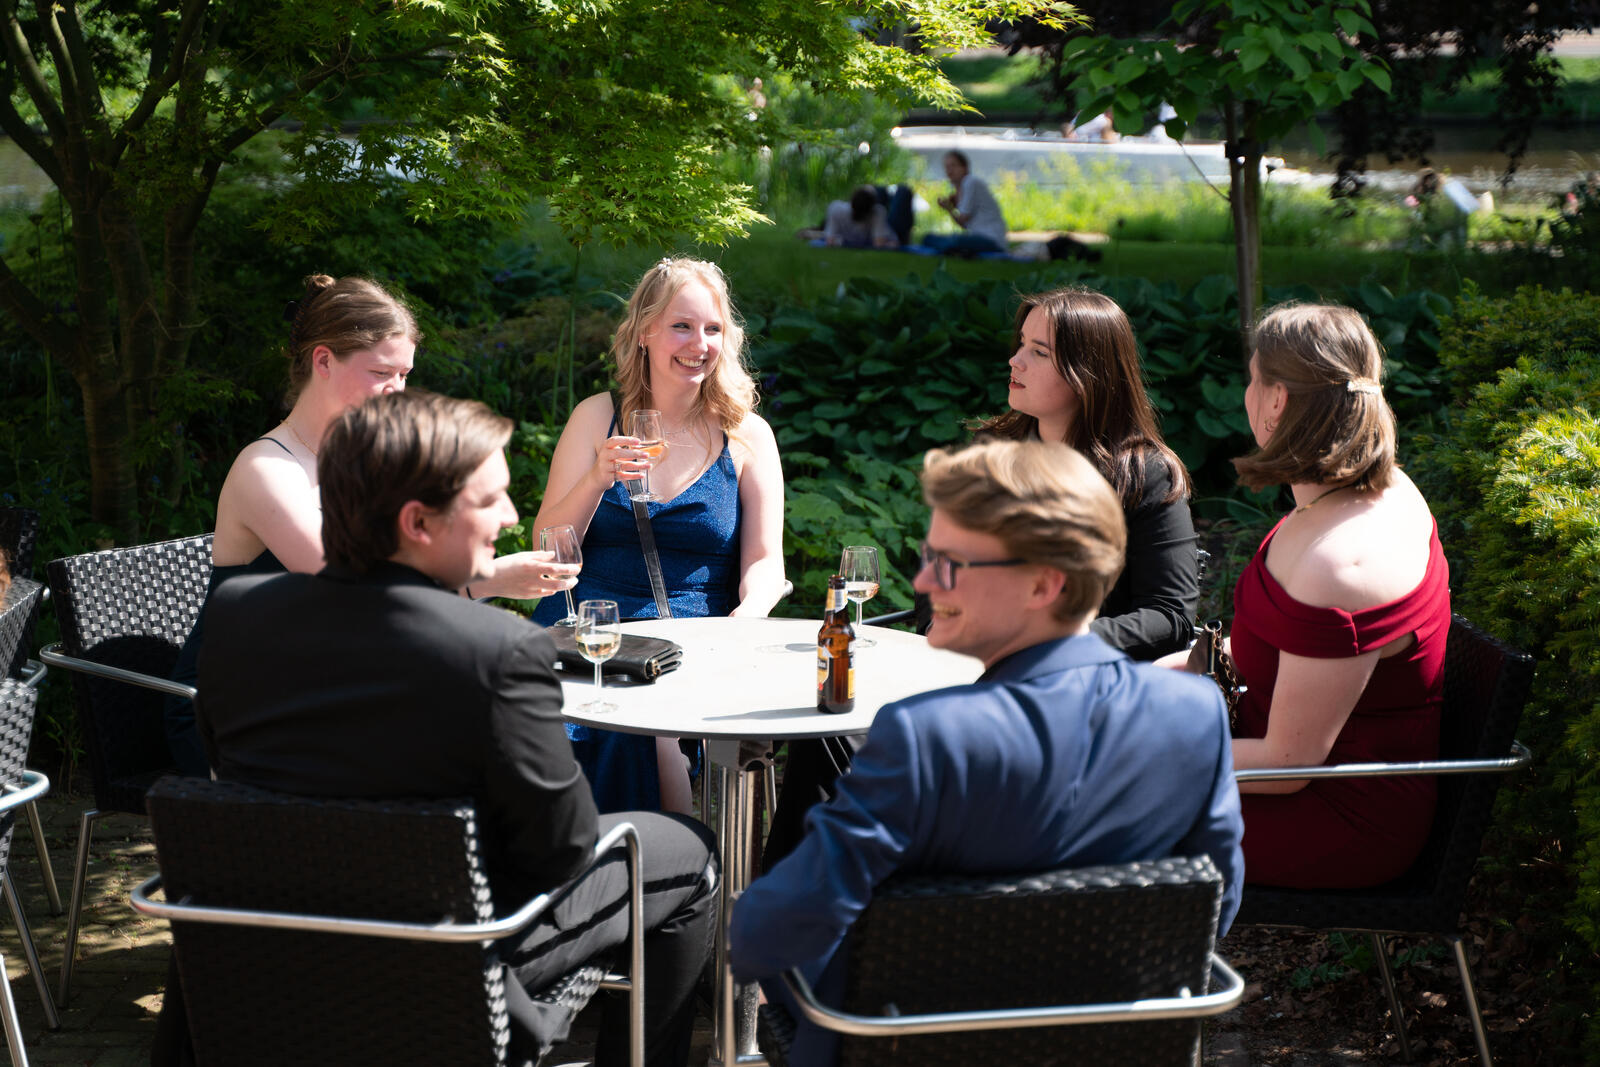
(599, 636)
(562, 543)
(645, 424)
(859, 566)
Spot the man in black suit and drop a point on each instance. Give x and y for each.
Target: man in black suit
(376, 678)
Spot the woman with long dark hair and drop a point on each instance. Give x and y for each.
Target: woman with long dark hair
(1075, 378)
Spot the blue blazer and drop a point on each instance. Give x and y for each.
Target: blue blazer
(1064, 754)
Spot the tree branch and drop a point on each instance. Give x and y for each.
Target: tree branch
(32, 315)
(156, 88)
(88, 83)
(21, 60)
(66, 74)
(22, 134)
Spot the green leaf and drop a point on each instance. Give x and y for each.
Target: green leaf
(1378, 77)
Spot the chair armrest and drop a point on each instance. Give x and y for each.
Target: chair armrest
(1519, 758)
(890, 619)
(622, 834)
(1182, 1006)
(53, 655)
(34, 785)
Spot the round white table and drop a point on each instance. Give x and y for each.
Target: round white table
(754, 680)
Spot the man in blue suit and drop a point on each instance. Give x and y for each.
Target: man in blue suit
(1064, 753)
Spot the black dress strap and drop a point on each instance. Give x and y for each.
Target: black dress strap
(277, 442)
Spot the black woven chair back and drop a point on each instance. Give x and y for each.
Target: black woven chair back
(19, 537)
(1486, 684)
(19, 610)
(17, 705)
(130, 608)
(271, 997)
(1090, 935)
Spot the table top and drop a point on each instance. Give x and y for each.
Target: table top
(751, 679)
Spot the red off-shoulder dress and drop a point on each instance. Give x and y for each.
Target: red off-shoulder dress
(1354, 831)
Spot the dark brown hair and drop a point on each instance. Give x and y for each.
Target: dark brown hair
(1045, 502)
(394, 448)
(1336, 428)
(346, 315)
(1094, 350)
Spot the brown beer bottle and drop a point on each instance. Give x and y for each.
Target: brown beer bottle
(836, 653)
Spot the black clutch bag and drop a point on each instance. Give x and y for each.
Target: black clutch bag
(643, 659)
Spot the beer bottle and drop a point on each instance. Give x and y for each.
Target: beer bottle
(836, 653)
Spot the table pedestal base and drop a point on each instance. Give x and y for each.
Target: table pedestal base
(734, 1018)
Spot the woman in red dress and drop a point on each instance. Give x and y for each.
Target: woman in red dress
(1340, 620)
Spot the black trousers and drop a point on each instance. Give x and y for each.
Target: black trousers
(679, 867)
(810, 769)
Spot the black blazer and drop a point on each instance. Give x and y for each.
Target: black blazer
(386, 685)
(1150, 610)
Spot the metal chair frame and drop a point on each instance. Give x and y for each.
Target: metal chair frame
(1185, 1005)
(32, 673)
(623, 834)
(34, 785)
(54, 656)
(1518, 758)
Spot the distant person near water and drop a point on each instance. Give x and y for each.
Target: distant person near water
(975, 210)
(863, 221)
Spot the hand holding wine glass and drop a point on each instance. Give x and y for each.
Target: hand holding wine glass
(859, 566)
(562, 543)
(645, 424)
(599, 636)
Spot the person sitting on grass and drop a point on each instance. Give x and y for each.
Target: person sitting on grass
(1063, 753)
(975, 210)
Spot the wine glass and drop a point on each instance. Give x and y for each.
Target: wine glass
(645, 424)
(599, 636)
(562, 543)
(859, 566)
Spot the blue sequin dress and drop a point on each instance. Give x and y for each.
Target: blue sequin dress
(697, 537)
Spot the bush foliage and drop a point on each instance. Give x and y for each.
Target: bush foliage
(1514, 478)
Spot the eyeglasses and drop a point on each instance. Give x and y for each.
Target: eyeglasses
(944, 568)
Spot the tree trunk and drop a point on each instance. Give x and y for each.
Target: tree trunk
(113, 494)
(1244, 183)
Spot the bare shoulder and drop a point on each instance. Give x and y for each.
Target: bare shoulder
(263, 463)
(1368, 552)
(753, 437)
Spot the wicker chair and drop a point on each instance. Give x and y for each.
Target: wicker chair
(19, 609)
(1486, 684)
(1094, 965)
(392, 964)
(19, 536)
(124, 614)
(18, 787)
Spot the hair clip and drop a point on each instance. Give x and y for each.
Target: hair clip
(290, 310)
(1363, 385)
(665, 264)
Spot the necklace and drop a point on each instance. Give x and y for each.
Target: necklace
(313, 451)
(1313, 501)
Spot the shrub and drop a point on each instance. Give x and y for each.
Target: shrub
(1514, 478)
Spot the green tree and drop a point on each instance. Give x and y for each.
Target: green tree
(1269, 65)
(612, 110)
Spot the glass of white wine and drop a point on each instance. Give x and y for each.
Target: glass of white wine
(562, 543)
(859, 566)
(645, 424)
(599, 636)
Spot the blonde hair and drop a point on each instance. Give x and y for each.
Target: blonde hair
(1045, 502)
(1336, 428)
(729, 392)
(344, 315)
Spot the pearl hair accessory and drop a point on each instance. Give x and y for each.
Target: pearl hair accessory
(1363, 385)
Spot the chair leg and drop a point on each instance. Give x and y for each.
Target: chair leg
(30, 953)
(79, 873)
(1381, 953)
(45, 868)
(13, 1025)
(1472, 1001)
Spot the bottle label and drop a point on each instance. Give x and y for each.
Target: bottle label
(836, 599)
